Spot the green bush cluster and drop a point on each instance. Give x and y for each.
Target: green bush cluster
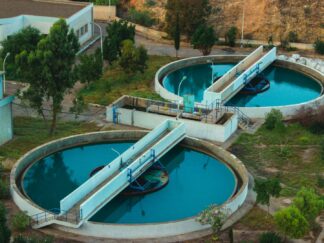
(270, 237)
(230, 36)
(20, 221)
(141, 17)
(319, 46)
(274, 120)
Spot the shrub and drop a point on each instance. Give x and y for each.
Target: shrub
(140, 17)
(4, 190)
(312, 118)
(20, 221)
(274, 120)
(319, 46)
(270, 237)
(203, 39)
(230, 36)
(4, 230)
(292, 36)
(133, 58)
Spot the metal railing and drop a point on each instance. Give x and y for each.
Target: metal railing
(54, 214)
(209, 113)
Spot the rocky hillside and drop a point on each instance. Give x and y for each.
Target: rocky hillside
(262, 17)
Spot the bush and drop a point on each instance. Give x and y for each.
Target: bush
(4, 230)
(274, 120)
(270, 237)
(311, 118)
(133, 58)
(4, 190)
(319, 46)
(203, 39)
(292, 36)
(20, 221)
(140, 17)
(230, 36)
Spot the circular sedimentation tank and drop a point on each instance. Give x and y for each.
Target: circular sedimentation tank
(200, 174)
(291, 85)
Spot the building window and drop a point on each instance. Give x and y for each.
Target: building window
(82, 30)
(78, 33)
(86, 28)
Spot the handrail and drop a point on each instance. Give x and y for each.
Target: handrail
(53, 214)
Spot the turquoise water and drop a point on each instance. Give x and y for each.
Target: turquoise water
(196, 181)
(287, 87)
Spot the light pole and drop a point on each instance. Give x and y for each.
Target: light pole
(119, 154)
(4, 71)
(101, 41)
(243, 17)
(183, 79)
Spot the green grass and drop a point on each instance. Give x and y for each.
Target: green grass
(256, 219)
(293, 155)
(30, 133)
(115, 83)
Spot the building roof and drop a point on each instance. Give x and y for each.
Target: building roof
(12, 8)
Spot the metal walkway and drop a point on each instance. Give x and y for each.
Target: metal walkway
(240, 75)
(97, 191)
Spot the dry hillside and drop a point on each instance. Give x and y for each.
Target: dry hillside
(262, 17)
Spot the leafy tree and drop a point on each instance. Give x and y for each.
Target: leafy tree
(230, 36)
(4, 230)
(270, 237)
(291, 222)
(133, 58)
(24, 40)
(308, 203)
(214, 216)
(192, 13)
(90, 67)
(266, 189)
(274, 120)
(50, 68)
(319, 46)
(203, 39)
(117, 32)
(292, 36)
(177, 36)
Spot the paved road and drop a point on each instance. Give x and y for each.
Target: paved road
(161, 49)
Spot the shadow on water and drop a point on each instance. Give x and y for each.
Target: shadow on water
(44, 178)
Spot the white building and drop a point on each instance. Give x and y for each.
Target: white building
(18, 14)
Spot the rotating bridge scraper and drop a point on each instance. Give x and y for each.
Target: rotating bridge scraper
(101, 188)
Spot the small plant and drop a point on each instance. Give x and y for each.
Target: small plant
(274, 120)
(214, 216)
(270, 237)
(319, 46)
(230, 36)
(20, 221)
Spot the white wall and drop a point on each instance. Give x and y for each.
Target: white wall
(10, 26)
(6, 129)
(197, 129)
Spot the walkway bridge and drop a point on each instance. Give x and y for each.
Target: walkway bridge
(240, 75)
(101, 188)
